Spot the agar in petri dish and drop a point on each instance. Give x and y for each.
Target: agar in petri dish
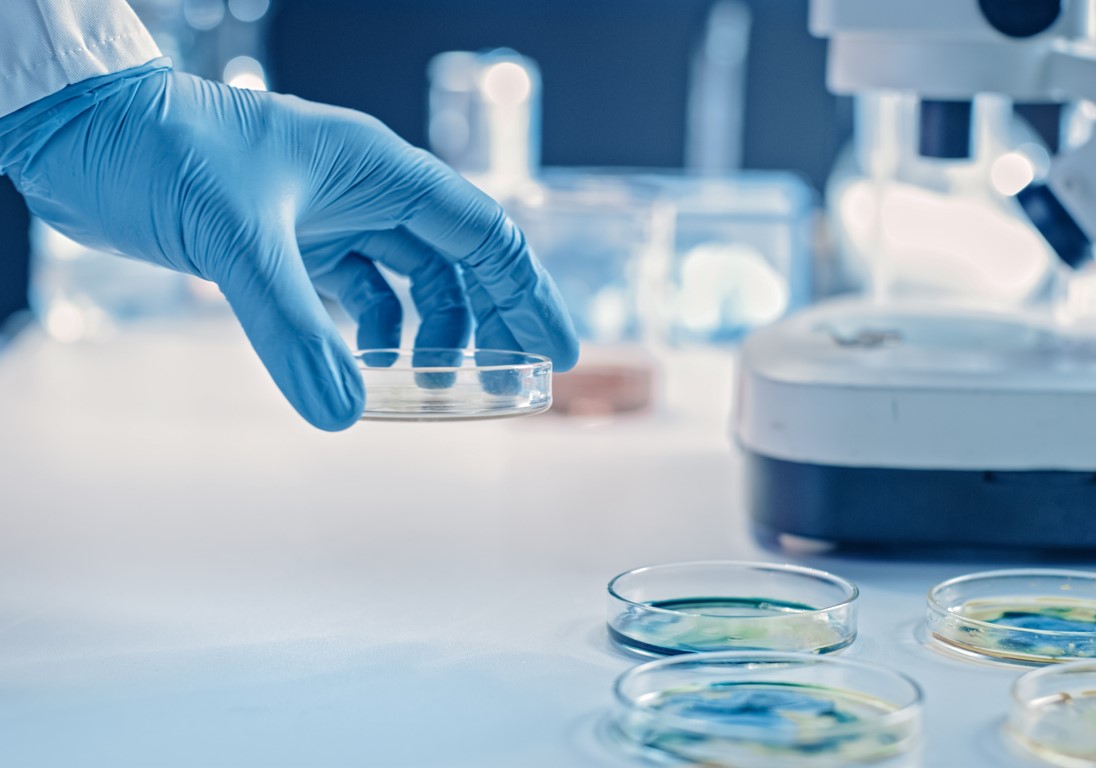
(453, 384)
(1032, 616)
(747, 709)
(1053, 713)
(728, 605)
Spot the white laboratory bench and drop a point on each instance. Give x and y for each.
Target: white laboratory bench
(192, 576)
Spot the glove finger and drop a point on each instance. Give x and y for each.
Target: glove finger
(437, 287)
(461, 222)
(492, 332)
(489, 246)
(357, 284)
(273, 298)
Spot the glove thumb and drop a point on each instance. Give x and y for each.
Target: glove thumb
(273, 298)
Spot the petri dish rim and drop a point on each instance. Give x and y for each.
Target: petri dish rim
(533, 361)
(708, 728)
(851, 589)
(1024, 702)
(1007, 573)
(1051, 670)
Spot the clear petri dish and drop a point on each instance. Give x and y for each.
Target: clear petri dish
(729, 605)
(1053, 713)
(453, 384)
(747, 709)
(1032, 616)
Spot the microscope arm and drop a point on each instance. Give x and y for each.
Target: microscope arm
(1072, 176)
(1063, 206)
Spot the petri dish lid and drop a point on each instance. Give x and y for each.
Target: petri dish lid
(1028, 616)
(747, 709)
(1053, 713)
(726, 605)
(453, 384)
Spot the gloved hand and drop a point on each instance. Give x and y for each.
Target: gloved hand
(272, 197)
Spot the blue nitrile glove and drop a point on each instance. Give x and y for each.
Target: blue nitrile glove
(272, 197)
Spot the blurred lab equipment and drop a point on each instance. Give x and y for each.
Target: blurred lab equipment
(485, 116)
(911, 225)
(79, 292)
(643, 257)
(741, 253)
(595, 234)
(955, 405)
(605, 239)
(646, 259)
(658, 257)
(717, 92)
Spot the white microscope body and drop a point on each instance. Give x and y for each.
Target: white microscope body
(959, 417)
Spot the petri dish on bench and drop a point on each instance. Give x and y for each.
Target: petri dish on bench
(453, 384)
(1053, 713)
(766, 710)
(1032, 616)
(725, 605)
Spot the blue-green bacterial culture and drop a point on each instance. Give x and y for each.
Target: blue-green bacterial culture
(770, 724)
(700, 624)
(1025, 629)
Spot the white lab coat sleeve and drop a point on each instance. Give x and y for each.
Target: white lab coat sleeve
(46, 45)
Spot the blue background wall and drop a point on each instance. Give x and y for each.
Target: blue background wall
(614, 71)
(13, 252)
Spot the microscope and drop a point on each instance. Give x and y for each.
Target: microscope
(953, 403)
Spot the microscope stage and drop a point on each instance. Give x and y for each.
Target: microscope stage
(921, 424)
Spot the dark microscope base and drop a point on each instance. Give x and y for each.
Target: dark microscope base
(873, 507)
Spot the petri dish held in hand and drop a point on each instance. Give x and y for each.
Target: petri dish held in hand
(453, 384)
(1033, 616)
(730, 605)
(1053, 713)
(769, 710)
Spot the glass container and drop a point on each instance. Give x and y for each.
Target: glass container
(769, 710)
(1054, 713)
(1034, 616)
(728, 605)
(453, 384)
